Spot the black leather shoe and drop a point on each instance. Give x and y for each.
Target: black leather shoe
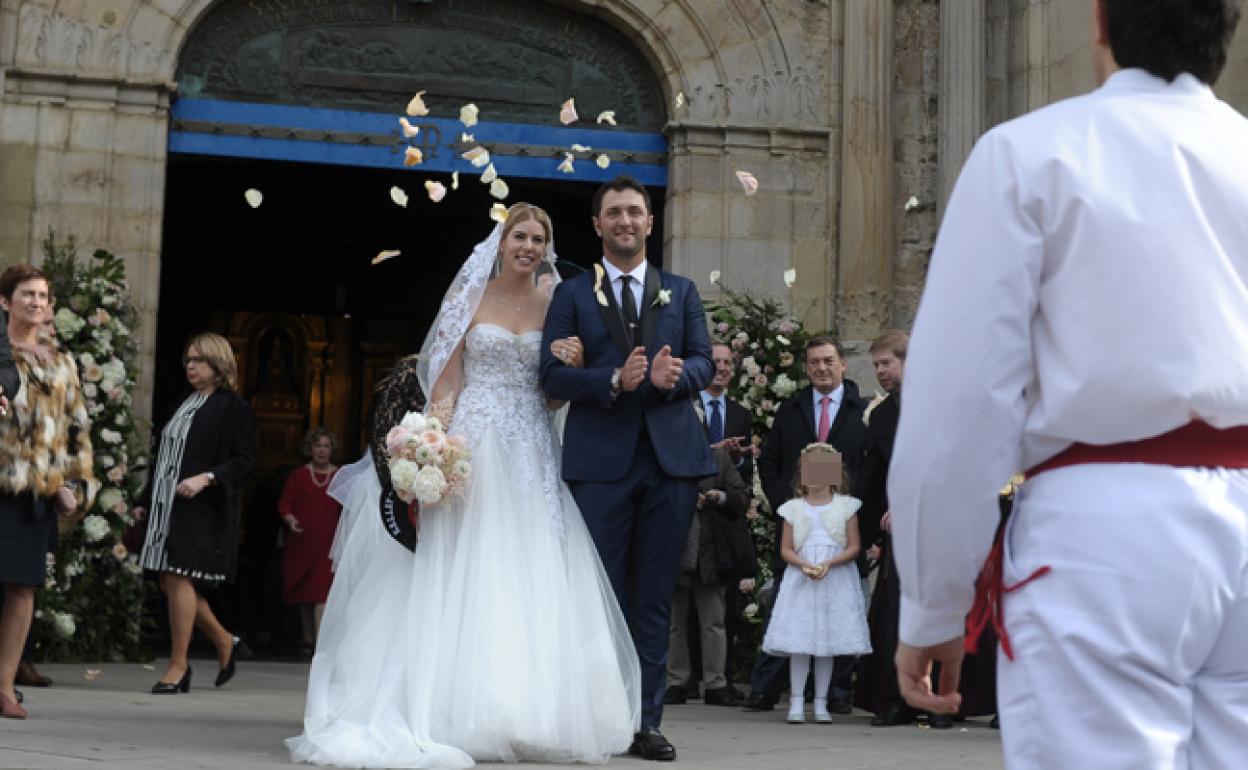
(675, 696)
(840, 707)
(722, 696)
(894, 715)
(650, 744)
(758, 702)
(940, 722)
(227, 671)
(168, 688)
(27, 675)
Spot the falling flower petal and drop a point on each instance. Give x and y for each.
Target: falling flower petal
(477, 156)
(567, 113)
(498, 212)
(603, 161)
(436, 190)
(465, 138)
(499, 189)
(408, 129)
(149, 668)
(748, 181)
(680, 100)
(489, 175)
(790, 277)
(382, 256)
(413, 156)
(566, 165)
(912, 203)
(454, 180)
(416, 107)
(715, 276)
(468, 114)
(607, 116)
(92, 673)
(254, 198)
(399, 196)
(581, 148)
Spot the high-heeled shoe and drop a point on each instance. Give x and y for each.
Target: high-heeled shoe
(227, 671)
(167, 688)
(11, 709)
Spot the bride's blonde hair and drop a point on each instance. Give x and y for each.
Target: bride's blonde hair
(523, 212)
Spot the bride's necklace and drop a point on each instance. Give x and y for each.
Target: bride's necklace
(507, 299)
(329, 472)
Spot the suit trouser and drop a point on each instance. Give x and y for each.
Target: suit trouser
(709, 601)
(1133, 651)
(640, 524)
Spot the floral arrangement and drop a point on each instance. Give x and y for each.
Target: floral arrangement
(91, 608)
(426, 465)
(769, 344)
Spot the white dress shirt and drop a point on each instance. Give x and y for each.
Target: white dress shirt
(1089, 284)
(834, 404)
(639, 282)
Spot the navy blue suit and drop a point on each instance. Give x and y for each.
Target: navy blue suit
(633, 461)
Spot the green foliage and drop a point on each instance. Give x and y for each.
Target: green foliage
(91, 607)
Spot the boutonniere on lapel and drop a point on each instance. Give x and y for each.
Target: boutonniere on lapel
(599, 274)
(662, 298)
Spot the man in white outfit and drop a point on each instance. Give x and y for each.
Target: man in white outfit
(1087, 309)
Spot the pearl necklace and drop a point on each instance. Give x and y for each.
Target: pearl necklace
(329, 474)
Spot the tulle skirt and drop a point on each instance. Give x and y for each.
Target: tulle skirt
(499, 639)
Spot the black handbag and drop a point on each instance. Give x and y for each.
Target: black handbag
(734, 548)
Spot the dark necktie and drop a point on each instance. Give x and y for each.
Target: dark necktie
(628, 307)
(716, 423)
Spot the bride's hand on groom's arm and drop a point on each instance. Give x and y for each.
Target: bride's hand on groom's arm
(569, 351)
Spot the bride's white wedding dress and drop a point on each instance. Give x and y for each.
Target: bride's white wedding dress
(499, 638)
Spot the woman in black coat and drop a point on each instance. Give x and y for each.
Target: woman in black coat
(191, 504)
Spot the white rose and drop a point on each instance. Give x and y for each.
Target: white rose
(122, 420)
(63, 622)
(461, 468)
(750, 610)
(114, 370)
(414, 422)
(67, 323)
(433, 423)
(403, 474)
(783, 386)
(429, 486)
(107, 501)
(425, 454)
(110, 436)
(103, 335)
(105, 461)
(86, 359)
(95, 528)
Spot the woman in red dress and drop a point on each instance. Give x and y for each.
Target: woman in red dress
(311, 518)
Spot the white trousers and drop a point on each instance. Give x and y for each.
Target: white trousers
(1133, 652)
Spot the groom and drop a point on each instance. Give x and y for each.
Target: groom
(633, 447)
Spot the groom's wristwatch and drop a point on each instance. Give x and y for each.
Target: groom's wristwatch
(615, 383)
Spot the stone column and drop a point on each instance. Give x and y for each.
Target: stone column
(963, 82)
(864, 269)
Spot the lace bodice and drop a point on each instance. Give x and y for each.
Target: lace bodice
(501, 393)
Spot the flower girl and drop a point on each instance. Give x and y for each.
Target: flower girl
(819, 611)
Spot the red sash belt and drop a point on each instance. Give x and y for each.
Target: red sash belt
(1194, 445)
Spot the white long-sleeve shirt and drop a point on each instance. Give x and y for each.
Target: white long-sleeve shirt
(1089, 284)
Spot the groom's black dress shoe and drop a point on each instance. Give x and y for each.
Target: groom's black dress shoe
(650, 744)
(758, 702)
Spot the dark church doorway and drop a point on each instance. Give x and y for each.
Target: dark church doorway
(314, 324)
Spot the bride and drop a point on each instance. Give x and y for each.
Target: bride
(498, 638)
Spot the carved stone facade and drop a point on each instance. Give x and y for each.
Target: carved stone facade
(843, 109)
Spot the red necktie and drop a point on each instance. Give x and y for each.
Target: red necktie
(824, 424)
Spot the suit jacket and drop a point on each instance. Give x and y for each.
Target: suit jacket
(738, 423)
(794, 429)
(871, 485)
(10, 380)
(601, 433)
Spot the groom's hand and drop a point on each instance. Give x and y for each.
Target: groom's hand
(633, 373)
(665, 372)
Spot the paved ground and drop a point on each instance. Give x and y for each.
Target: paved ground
(112, 721)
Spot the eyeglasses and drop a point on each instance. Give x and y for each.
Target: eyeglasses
(188, 360)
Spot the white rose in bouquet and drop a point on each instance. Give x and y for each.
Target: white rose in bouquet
(403, 475)
(424, 454)
(414, 422)
(429, 486)
(95, 528)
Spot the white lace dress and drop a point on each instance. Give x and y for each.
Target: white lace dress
(822, 617)
(499, 638)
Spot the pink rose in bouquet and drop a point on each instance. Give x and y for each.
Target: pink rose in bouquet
(426, 465)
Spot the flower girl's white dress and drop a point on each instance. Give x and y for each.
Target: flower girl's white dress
(500, 637)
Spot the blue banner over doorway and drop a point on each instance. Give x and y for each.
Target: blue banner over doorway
(342, 137)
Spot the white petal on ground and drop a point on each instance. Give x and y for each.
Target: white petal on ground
(566, 165)
(477, 156)
(416, 107)
(436, 190)
(748, 182)
(468, 114)
(254, 197)
(412, 156)
(607, 116)
(567, 113)
(382, 256)
(399, 196)
(498, 212)
(499, 189)
(603, 161)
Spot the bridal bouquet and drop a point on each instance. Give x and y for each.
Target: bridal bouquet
(426, 465)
